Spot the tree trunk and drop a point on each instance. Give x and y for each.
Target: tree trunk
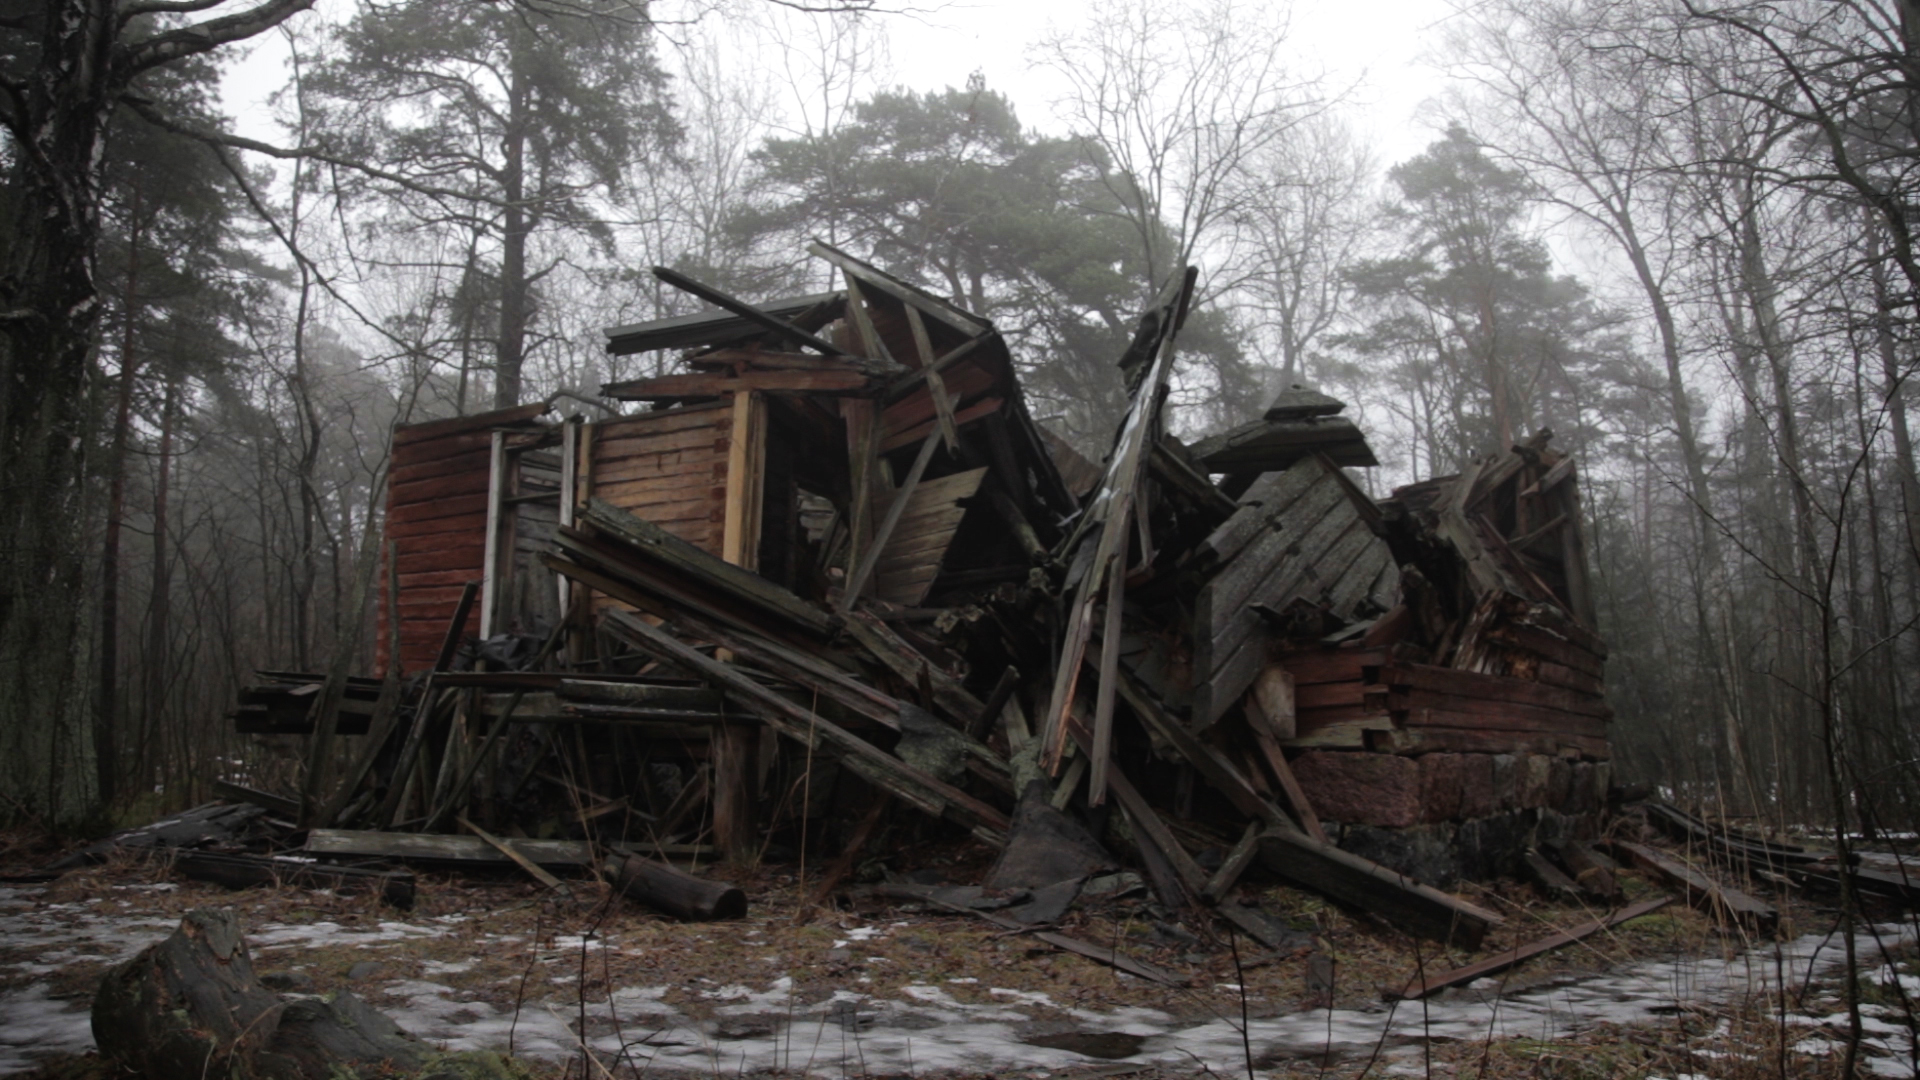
(107, 701)
(160, 609)
(48, 311)
(514, 306)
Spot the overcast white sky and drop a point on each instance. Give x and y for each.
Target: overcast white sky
(1378, 46)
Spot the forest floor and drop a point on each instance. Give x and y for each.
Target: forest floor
(891, 989)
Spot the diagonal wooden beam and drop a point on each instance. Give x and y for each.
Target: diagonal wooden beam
(895, 510)
(936, 386)
(745, 310)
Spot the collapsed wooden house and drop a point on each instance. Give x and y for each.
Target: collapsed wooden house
(835, 566)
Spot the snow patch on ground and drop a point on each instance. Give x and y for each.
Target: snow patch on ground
(926, 1028)
(33, 1025)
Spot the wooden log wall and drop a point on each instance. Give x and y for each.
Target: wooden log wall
(668, 467)
(437, 526)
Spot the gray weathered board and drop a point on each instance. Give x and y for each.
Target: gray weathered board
(1298, 537)
(920, 540)
(435, 848)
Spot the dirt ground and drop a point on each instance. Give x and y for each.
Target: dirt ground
(505, 948)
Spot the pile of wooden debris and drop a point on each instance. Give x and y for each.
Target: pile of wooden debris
(838, 569)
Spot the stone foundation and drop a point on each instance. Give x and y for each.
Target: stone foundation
(1444, 817)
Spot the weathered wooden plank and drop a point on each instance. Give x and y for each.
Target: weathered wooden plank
(1331, 665)
(1338, 734)
(979, 410)
(678, 418)
(1270, 717)
(882, 533)
(1268, 550)
(1350, 879)
(241, 871)
(744, 310)
(1417, 987)
(432, 430)
(905, 782)
(439, 468)
(965, 382)
(438, 490)
(656, 545)
(423, 847)
(709, 436)
(872, 276)
(1551, 878)
(1475, 685)
(1412, 710)
(1224, 619)
(1268, 445)
(1261, 506)
(532, 868)
(1325, 695)
(454, 525)
(1149, 359)
(680, 466)
(1547, 645)
(711, 383)
(928, 519)
(772, 360)
(1723, 902)
(1238, 858)
(1214, 694)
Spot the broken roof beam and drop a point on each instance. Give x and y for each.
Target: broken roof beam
(660, 546)
(707, 384)
(925, 302)
(704, 328)
(1109, 514)
(771, 360)
(746, 311)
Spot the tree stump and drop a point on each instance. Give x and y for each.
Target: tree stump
(191, 1008)
(187, 1007)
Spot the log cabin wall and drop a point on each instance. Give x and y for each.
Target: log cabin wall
(669, 467)
(437, 527)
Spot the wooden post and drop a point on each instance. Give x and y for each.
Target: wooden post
(734, 747)
(746, 472)
(862, 418)
(569, 481)
(490, 562)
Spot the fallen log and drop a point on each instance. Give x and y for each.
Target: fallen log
(1493, 965)
(396, 887)
(675, 891)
